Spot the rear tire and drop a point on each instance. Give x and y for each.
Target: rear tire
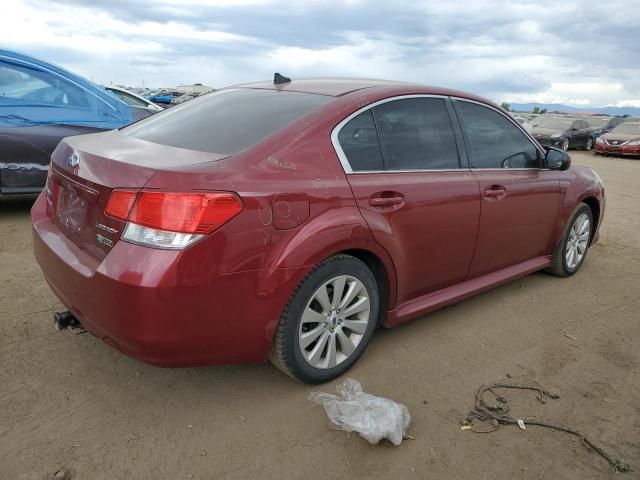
(572, 249)
(328, 321)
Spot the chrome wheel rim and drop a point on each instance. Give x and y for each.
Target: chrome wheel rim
(578, 241)
(589, 143)
(565, 144)
(334, 322)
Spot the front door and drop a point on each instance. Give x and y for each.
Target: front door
(519, 198)
(421, 206)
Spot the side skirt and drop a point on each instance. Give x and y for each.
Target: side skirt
(456, 293)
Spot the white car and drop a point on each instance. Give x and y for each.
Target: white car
(523, 121)
(133, 99)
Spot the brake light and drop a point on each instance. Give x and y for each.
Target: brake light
(171, 219)
(185, 212)
(120, 203)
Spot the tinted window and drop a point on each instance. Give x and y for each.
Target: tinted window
(616, 121)
(30, 86)
(416, 133)
(359, 142)
(495, 141)
(226, 121)
(129, 99)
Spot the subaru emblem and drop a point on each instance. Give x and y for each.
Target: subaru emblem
(73, 160)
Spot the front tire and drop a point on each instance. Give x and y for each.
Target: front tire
(565, 144)
(328, 321)
(589, 144)
(572, 250)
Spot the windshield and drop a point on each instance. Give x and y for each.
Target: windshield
(627, 128)
(555, 123)
(227, 121)
(597, 121)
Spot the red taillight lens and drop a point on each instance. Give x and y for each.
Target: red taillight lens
(184, 212)
(120, 203)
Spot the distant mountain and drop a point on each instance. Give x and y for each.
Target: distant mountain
(556, 107)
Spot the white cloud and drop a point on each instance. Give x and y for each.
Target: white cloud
(572, 52)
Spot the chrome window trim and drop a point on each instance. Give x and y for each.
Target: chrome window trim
(512, 120)
(343, 158)
(425, 170)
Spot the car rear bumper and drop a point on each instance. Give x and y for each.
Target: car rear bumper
(631, 150)
(142, 302)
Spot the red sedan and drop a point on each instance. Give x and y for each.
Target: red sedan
(622, 140)
(288, 220)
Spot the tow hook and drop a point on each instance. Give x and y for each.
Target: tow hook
(66, 320)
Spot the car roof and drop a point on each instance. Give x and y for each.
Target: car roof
(338, 87)
(335, 87)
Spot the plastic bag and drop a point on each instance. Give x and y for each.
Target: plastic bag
(374, 418)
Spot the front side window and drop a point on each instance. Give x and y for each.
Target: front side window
(27, 86)
(495, 141)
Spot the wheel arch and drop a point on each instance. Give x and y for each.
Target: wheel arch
(594, 205)
(379, 270)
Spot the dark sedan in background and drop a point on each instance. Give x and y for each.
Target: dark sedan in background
(563, 132)
(40, 104)
(602, 124)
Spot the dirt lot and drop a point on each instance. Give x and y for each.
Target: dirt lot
(69, 400)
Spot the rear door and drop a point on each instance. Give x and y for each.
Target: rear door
(519, 198)
(402, 162)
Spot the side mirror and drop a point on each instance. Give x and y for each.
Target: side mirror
(557, 159)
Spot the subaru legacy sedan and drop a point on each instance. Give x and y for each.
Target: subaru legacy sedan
(288, 220)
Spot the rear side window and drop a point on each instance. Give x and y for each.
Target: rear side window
(495, 141)
(228, 121)
(359, 142)
(404, 134)
(416, 134)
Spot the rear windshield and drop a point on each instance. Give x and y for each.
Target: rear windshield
(228, 121)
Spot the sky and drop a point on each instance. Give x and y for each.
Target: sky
(581, 53)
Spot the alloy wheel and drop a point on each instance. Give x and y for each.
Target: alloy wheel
(565, 144)
(334, 322)
(589, 144)
(578, 241)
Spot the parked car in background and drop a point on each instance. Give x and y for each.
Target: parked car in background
(133, 99)
(164, 97)
(40, 104)
(622, 140)
(289, 220)
(522, 120)
(563, 132)
(602, 124)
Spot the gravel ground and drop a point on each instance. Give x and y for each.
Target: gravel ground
(70, 401)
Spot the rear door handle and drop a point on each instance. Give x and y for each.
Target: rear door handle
(387, 198)
(494, 192)
(385, 201)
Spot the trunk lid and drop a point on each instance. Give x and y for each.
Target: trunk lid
(85, 169)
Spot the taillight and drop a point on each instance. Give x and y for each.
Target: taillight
(171, 219)
(120, 203)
